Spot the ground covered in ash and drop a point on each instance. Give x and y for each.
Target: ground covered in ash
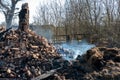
(25, 56)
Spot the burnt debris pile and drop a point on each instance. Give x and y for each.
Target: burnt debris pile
(101, 64)
(96, 64)
(25, 55)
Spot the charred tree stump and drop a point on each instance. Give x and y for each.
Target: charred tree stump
(24, 18)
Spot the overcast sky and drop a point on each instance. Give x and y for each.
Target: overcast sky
(33, 4)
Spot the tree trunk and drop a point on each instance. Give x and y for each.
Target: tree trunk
(9, 16)
(9, 20)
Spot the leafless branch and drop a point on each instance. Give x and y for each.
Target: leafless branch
(3, 5)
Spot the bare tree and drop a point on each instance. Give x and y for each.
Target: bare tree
(98, 18)
(8, 9)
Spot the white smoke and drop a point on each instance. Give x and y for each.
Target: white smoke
(46, 32)
(71, 50)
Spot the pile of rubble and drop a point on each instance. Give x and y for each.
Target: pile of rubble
(23, 52)
(101, 63)
(96, 64)
(24, 55)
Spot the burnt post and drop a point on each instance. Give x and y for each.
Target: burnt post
(24, 18)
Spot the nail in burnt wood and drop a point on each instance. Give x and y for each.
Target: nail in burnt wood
(24, 18)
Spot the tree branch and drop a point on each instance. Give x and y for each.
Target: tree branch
(17, 1)
(4, 13)
(3, 5)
